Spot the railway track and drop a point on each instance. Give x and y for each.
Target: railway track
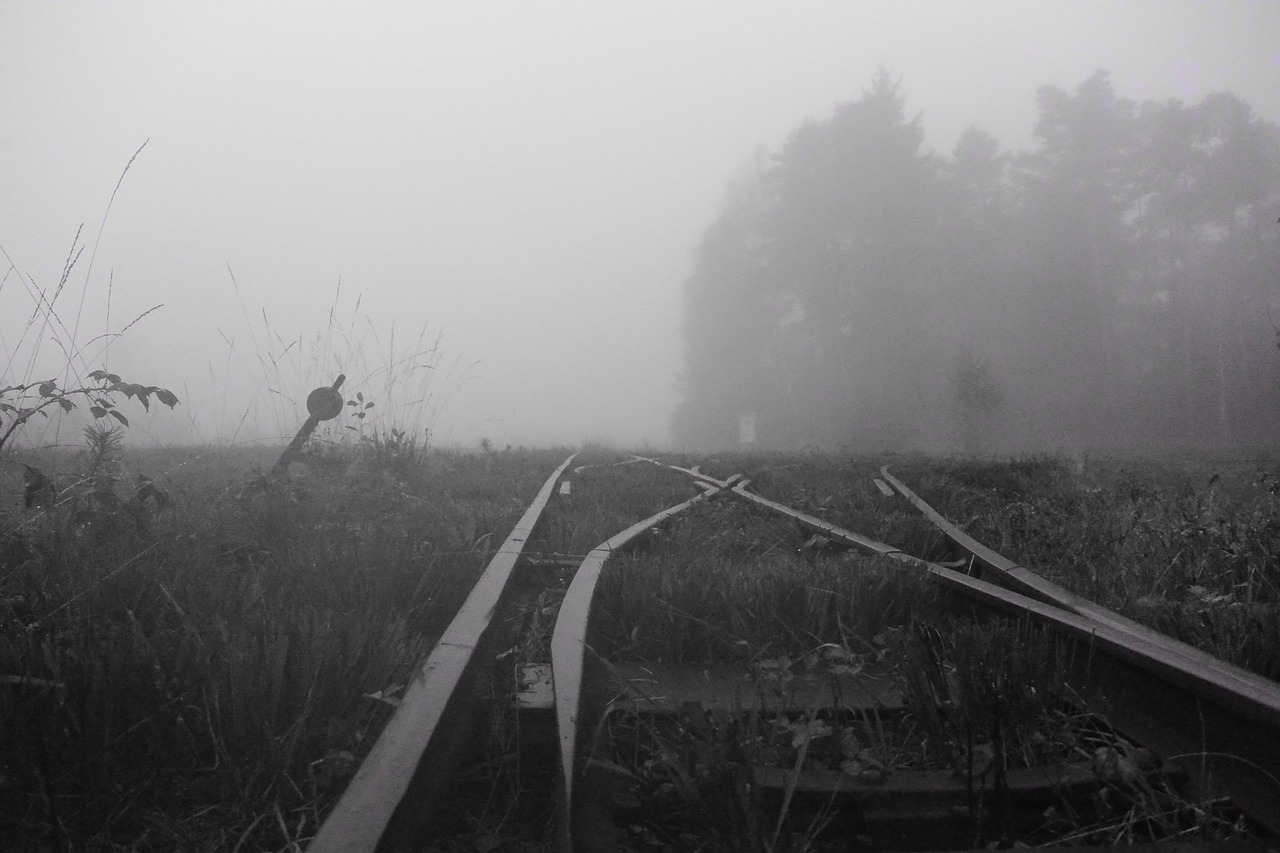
(621, 745)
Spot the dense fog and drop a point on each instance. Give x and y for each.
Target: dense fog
(1112, 287)
(985, 226)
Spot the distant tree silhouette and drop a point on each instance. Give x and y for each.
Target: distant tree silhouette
(1117, 279)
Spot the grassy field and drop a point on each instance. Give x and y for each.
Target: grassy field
(196, 656)
(731, 584)
(1190, 546)
(204, 672)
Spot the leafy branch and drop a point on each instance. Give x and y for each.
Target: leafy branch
(23, 402)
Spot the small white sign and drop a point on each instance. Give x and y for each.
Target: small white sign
(564, 487)
(747, 429)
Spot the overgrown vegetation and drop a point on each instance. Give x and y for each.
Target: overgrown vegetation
(194, 656)
(730, 579)
(979, 701)
(982, 706)
(1189, 546)
(200, 661)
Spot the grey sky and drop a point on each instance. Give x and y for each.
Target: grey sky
(527, 180)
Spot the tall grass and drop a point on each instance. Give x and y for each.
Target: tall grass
(728, 584)
(725, 578)
(192, 655)
(838, 489)
(213, 677)
(394, 382)
(504, 800)
(208, 675)
(1190, 547)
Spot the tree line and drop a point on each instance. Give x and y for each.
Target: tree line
(1111, 287)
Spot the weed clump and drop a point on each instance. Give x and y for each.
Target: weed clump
(724, 579)
(1191, 549)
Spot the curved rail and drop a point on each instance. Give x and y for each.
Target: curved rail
(377, 810)
(694, 472)
(569, 646)
(1224, 729)
(1221, 725)
(1008, 574)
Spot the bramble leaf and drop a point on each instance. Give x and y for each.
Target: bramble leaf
(167, 397)
(121, 418)
(48, 389)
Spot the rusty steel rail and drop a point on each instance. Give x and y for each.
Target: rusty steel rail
(1223, 729)
(380, 809)
(576, 709)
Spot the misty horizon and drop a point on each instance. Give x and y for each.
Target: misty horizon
(487, 217)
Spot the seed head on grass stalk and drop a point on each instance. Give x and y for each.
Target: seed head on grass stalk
(398, 379)
(70, 388)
